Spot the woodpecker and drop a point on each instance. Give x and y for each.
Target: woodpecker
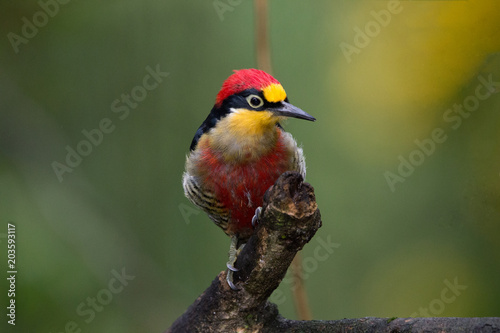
(239, 151)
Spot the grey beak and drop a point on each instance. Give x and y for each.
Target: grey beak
(288, 110)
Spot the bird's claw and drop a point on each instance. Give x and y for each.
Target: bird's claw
(255, 218)
(229, 279)
(233, 254)
(231, 267)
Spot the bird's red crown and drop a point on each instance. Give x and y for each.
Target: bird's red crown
(244, 79)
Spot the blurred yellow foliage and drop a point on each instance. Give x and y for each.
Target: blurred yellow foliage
(405, 71)
(425, 53)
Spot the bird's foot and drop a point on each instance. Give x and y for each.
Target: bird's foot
(229, 280)
(256, 217)
(233, 255)
(230, 266)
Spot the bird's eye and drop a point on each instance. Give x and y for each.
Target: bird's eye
(255, 101)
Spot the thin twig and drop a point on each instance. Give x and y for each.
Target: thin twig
(263, 54)
(299, 290)
(262, 36)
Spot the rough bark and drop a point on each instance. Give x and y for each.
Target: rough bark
(289, 219)
(389, 325)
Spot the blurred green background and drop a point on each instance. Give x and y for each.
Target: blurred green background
(377, 75)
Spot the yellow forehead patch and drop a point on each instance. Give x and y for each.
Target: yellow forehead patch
(274, 93)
